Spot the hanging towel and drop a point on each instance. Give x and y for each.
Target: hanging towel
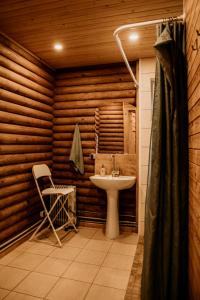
(76, 154)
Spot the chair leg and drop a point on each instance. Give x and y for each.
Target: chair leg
(38, 228)
(69, 218)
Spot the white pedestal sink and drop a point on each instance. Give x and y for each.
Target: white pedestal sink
(113, 185)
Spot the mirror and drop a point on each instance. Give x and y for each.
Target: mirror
(115, 128)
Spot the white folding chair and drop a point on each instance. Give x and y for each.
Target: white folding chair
(43, 170)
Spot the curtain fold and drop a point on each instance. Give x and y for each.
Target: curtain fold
(164, 273)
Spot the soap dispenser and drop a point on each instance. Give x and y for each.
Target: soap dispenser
(102, 171)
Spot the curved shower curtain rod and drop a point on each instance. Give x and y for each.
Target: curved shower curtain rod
(135, 25)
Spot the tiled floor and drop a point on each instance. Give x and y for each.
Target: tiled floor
(88, 266)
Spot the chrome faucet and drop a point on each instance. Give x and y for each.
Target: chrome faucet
(115, 171)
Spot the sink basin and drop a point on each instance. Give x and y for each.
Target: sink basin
(113, 185)
(108, 182)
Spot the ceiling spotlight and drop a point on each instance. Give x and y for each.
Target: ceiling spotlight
(133, 36)
(58, 46)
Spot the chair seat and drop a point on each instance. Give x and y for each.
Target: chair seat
(57, 191)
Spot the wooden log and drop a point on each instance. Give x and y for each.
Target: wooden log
(73, 121)
(17, 227)
(9, 180)
(18, 129)
(23, 139)
(11, 118)
(70, 128)
(74, 112)
(24, 101)
(96, 95)
(68, 144)
(7, 159)
(110, 130)
(68, 167)
(119, 118)
(20, 168)
(94, 200)
(108, 121)
(35, 67)
(69, 136)
(110, 125)
(65, 175)
(11, 65)
(111, 143)
(13, 76)
(9, 149)
(88, 192)
(110, 112)
(78, 183)
(112, 107)
(66, 151)
(92, 72)
(18, 197)
(93, 80)
(90, 215)
(24, 91)
(15, 188)
(21, 215)
(111, 139)
(64, 159)
(95, 88)
(92, 207)
(9, 211)
(91, 103)
(26, 111)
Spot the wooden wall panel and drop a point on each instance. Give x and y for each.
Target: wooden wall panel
(26, 116)
(192, 9)
(77, 94)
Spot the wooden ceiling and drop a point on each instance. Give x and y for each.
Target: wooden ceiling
(84, 27)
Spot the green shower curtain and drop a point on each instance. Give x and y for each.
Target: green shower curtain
(164, 275)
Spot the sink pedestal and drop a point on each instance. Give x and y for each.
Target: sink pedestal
(112, 220)
(113, 185)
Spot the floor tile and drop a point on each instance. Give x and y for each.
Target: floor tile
(118, 261)
(68, 289)
(3, 293)
(100, 235)
(127, 238)
(81, 272)
(36, 284)
(77, 241)
(98, 245)
(10, 277)
(17, 296)
(112, 278)
(86, 232)
(27, 261)
(40, 248)
(53, 266)
(66, 252)
(124, 249)
(24, 246)
(91, 257)
(5, 260)
(101, 292)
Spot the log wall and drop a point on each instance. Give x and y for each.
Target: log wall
(192, 8)
(110, 123)
(26, 118)
(77, 95)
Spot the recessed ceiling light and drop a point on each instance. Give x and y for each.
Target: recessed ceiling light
(133, 36)
(58, 46)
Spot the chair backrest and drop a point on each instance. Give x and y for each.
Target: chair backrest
(41, 171)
